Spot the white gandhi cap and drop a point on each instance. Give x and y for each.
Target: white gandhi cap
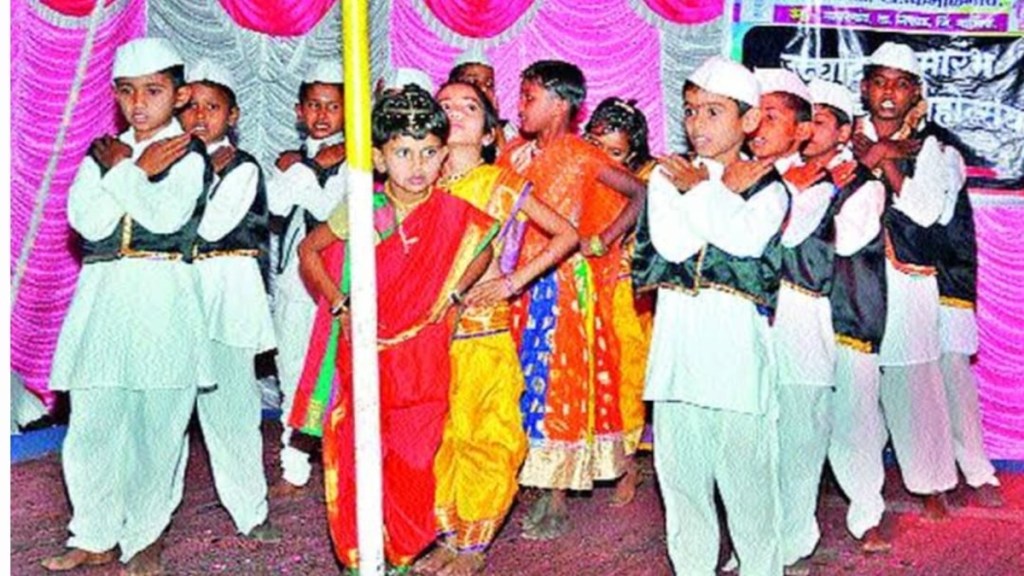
(832, 94)
(721, 76)
(397, 78)
(782, 80)
(472, 55)
(209, 71)
(144, 56)
(896, 56)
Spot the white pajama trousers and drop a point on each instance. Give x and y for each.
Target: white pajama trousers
(965, 419)
(699, 448)
(230, 416)
(122, 457)
(914, 401)
(858, 438)
(293, 323)
(805, 424)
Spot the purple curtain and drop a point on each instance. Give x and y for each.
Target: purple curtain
(278, 17)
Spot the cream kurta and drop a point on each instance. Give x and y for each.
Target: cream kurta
(711, 349)
(134, 323)
(234, 299)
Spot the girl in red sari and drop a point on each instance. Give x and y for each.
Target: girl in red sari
(430, 247)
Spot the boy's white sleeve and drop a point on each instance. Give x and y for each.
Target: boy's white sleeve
(666, 219)
(740, 227)
(162, 207)
(230, 202)
(92, 210)
(956, 172)
(860, 218)
(298, 186)
(806, 211)
(923, 196)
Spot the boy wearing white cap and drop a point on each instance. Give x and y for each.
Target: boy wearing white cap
(712, 251)
(473, 67)
(303, 190)
(921, 175)
(128, 351)
(802, 331)
(233, 241)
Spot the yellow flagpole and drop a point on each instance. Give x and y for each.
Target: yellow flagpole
(366, 375)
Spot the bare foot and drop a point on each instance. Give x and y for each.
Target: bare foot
(935, 508)
(266, 533)
(76, 557)
(284, 489)
(874, 542)
(437, 559)
(625, 489)
(987, 496)
(801, 567)
(538, 511)
(146, 563)
(465, 564)
(554, 525)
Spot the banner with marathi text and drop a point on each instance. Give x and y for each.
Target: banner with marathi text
(971, 53)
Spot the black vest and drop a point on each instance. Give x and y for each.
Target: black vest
(754, 278)
(132, 239)
(808, 265)
(252, 232)
(310, 222)
(858, 284)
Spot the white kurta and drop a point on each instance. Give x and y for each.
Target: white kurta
(134, 323)
(293, 308)
(711, 349)
(234, 298)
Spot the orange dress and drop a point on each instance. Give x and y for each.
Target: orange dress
(567, 347)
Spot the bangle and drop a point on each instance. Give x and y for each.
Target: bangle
(509, 285)
(597, 247)
(455, 297)
(340, 308)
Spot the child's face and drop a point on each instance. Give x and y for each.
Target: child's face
(614, 143)
(148, 102)
(209, 114)
(412, 165)
(322, 110)
(713, 123)
(826, 133)
(539, 108)
(889, 93)
(482, 77)
(779, 133)
(465, 115)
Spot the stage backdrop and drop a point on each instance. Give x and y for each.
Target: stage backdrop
(640, 49)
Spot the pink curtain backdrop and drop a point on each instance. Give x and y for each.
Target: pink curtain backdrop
(278, 17)
(616, 49)
(77, 8)
(687, 11)
(1000, 362)
(42, 72)
(478, 18)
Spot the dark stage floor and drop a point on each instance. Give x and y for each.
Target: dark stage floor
(603, 540)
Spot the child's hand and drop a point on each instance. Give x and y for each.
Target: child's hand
(871, 154)
(682, 173)
(108, 151)
(159, 155)
(741, 175)
(488, 293)
(329, 156)
(803, 177)
(222, 157)
(843, 174)
(288, 159)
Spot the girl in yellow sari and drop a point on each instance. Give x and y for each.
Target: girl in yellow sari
(483, 443)
(619, 129)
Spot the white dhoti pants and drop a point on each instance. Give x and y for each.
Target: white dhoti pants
(916, 410)
(230, 416)
(699, 448)
(965, 419)
(805, 424)
(858, 438)
(293, 323)
(122, 459)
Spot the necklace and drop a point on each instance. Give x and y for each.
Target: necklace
(447, 181)
(402, 210)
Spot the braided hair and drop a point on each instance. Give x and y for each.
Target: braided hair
(614, 114)
(408, 111)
